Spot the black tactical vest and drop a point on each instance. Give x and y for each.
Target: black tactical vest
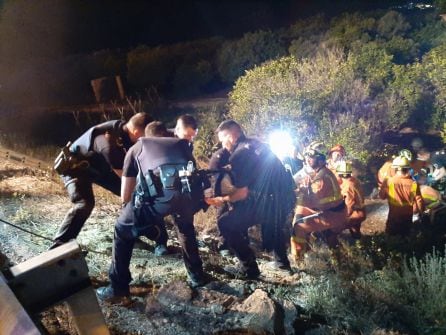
(158, 151)
(85, 142)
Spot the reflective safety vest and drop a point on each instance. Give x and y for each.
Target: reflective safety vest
(325, 192)
(396, 201)
(351, 190)
(431, 197)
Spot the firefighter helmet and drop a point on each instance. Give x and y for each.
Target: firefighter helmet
(339, 148)
(344, 168)
(401, 162)
(406, 153)
(315, 148)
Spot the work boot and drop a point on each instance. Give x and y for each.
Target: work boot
(252, 273)
(355, 233)
(278, 266)
(108, 294)
(161, 250)
(198, 280)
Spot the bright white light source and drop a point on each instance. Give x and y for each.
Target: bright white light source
(281, 144)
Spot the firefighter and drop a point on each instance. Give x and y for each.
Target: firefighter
(404, 198)
(262, 194)
(100, 154)
(385, 171)
(319, 195)
(306, 171)
(154, 166)
(353, 197)
(336, 155)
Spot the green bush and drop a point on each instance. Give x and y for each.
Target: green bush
(313, 98)
(391, 24)
(434, 68)
(355, 298)
(206, 142)
(424, 286)
(347, 29)
(237, 56)
(440, 5)
(431, 34)
(407, 98)
(404, 50)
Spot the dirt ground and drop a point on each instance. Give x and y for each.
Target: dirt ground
(36, 201)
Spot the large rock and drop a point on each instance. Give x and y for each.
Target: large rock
(174, 296)
(258, 314)
(289, 317)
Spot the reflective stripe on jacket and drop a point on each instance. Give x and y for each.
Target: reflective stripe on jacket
(324, 191)
(402, 191)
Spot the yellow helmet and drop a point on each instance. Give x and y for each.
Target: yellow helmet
(401, 162)
(406, 153)
(344, 168)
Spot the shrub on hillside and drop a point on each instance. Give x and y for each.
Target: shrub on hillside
(431, 34)
(354, 297)
(392, 23)
(237, 56)
(305, 37)
(312, 98)
(206, 142)
(434, 68)
(407, 98)
(347, 29)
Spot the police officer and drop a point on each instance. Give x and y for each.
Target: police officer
(263, 193)
(100, 153)
(186, 128)
(153, 165)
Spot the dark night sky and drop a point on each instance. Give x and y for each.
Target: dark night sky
(98, 24)
(129, 23)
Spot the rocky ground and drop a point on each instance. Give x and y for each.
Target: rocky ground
(161, 301)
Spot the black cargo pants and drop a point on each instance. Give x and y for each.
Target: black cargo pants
(234, 224)
(80, 191)
(175, 203)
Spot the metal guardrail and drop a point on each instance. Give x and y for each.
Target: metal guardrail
(26, 160)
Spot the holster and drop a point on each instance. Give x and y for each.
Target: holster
(169, 176)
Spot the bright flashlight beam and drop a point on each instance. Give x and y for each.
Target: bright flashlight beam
(281, 144)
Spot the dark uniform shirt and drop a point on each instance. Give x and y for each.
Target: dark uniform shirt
(104, 145)
(245, 162)
(219, 159)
